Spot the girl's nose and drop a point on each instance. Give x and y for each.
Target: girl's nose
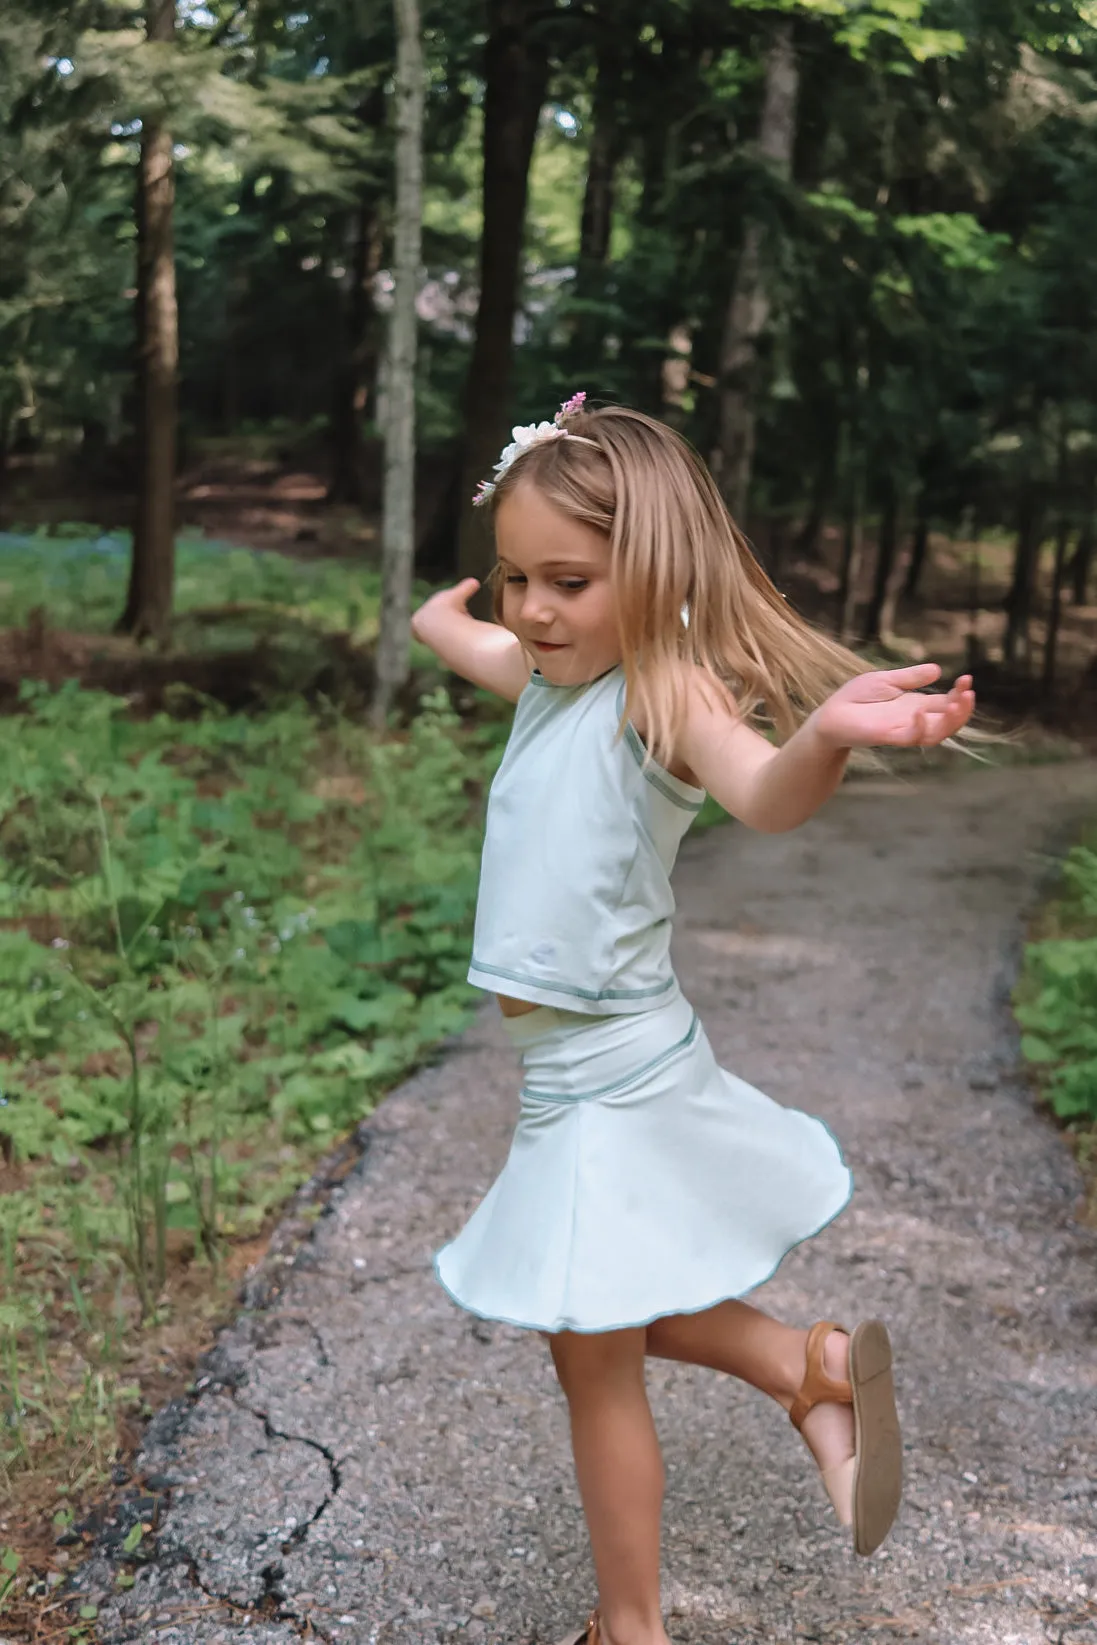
(536, 607)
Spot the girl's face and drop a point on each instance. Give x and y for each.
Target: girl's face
(557, 596)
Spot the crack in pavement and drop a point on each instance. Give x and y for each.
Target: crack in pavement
(271, 1604)
(445, 1495)
(272, 1601)
(299, 1532)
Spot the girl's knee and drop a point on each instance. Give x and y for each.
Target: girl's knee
(583, 1358)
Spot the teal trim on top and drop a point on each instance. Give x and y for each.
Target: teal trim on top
(672, 788)
(564, 988)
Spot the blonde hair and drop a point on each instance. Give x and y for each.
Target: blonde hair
(672, 544)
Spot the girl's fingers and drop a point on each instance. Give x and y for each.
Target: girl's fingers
(933, 719)
(909, 679)
(461, 593)
(946, 722)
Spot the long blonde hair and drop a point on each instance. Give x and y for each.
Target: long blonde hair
(673, 544)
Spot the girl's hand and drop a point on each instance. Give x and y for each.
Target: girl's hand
(446, 600)
(485, 653)
(888, 707)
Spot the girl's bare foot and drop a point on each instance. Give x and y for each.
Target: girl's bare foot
(829, 1431)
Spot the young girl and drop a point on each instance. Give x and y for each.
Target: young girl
(647, 1189)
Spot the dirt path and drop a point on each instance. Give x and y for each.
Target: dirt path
(369, 1463)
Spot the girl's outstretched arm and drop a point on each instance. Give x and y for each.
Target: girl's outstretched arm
(774, 789)
(484, 653)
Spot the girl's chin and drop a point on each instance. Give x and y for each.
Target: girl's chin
(565, 667)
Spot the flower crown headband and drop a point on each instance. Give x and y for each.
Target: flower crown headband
(534, 434)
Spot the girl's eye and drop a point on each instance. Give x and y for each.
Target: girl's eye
(570, 586)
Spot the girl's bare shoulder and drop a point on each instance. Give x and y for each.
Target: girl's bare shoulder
(708, 703)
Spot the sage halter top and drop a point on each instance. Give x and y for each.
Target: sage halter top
(575, 904)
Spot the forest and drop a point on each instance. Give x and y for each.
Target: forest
(847, 247)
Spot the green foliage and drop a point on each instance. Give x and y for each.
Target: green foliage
(1056, 1002)
(930, 265)
(220, 941)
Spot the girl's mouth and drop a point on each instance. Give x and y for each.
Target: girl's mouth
(544, 645)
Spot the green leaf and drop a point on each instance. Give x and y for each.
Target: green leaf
(133, 1538)
(356, 941)
(1035, 1049)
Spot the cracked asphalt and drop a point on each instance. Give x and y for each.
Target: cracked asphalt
(363, 1462)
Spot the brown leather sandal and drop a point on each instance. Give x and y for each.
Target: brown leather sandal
(877, 1463)
(590, 1635)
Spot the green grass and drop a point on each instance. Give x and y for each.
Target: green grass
(219, 943)
(78, 575)
(1056, 997)
(221, 940)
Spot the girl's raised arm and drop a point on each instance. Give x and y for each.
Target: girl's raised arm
(775, 789)
(484, 653)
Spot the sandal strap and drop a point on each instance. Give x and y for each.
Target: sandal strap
(590, 1635)
(817, 1386)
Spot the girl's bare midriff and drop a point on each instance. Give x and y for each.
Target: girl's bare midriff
(514, 1008)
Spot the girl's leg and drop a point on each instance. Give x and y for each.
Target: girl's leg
(620, 1474)
(742, 1341)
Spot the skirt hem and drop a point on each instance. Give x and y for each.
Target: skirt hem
(661, 1313)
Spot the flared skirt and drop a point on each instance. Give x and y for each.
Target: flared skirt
(643, 1179)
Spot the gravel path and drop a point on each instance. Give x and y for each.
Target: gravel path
(367, 1463)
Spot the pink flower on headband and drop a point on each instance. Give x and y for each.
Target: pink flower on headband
(570, 407)
(521, 439)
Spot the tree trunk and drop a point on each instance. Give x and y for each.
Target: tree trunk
(1062, 538)
(1030, 522)
(398, 531)
(749, 306)
(1047, 684)
(1081, 564)
(516, 77)
(1082, 560)
(852, 550)
(889, 609)
(896, 550)
(885, 561)
(356, 365)
(919, 553)
(147, 612)
(605, 147)
(358, 341)
(776, 547)
(597, 219)
(808, 544)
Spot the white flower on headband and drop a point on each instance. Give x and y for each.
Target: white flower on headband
(533, 434)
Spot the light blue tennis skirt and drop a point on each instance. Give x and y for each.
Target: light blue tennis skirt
(643, 1179)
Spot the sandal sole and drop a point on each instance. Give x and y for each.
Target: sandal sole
(878, 1477)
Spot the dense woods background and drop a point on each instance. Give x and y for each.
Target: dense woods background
(851, 249)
